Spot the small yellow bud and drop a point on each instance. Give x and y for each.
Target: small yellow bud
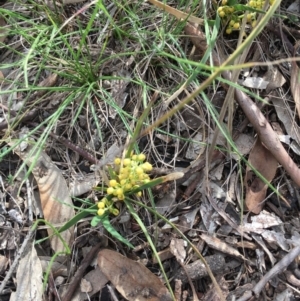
(224, 2)
(141, 157)
(142, 177)
(231, 9)
(253, 24)
(139, 170)
(119, 191)
(124, 171)
(222, 14)
(117, 161)
(231, 23)
(128, 186)
(126, 162)
(236, 25)
(220, 9)
(134, 157)
(113, 183)
(139, 194)
(147, 166)
(121, 197)
(123, 182)
(228, 30)
(100, 211)
(110, 190)
(101, 205)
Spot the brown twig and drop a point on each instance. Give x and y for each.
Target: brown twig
(79, 273)
(279, 267)
(267, 135)
(75, 148)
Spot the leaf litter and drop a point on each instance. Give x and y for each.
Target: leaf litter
(247, 244)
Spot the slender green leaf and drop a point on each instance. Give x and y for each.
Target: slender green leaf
(113, 232)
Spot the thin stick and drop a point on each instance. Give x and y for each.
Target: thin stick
(277, 268)
(79, 273)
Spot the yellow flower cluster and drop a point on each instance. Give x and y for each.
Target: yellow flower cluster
(105, 205)
(130, 173)
(259, 4)
(227, 13)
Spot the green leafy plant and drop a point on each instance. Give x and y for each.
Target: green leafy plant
(128, 178)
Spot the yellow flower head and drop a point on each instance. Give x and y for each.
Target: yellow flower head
(141, 157)
(117, 161)
(100, 211)
(110, 190)
(113, 183)
(101, 205)
(126, 162)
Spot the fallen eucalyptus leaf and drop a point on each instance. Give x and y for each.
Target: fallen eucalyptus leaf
(56, 202)
(264, 162)
(29, 277)
(132, 279)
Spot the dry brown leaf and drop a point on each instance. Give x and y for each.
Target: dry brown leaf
(177, 248)
(29, 277)
(97, 280)
(295, 81)
(132, 279)
(3, 263)
(84, 184)
(275, 78)
(264, 162)
(54, 193)
(166, 199)
(287, 118)
(219, 245)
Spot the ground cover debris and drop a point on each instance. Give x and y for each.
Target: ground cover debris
(149, 150)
